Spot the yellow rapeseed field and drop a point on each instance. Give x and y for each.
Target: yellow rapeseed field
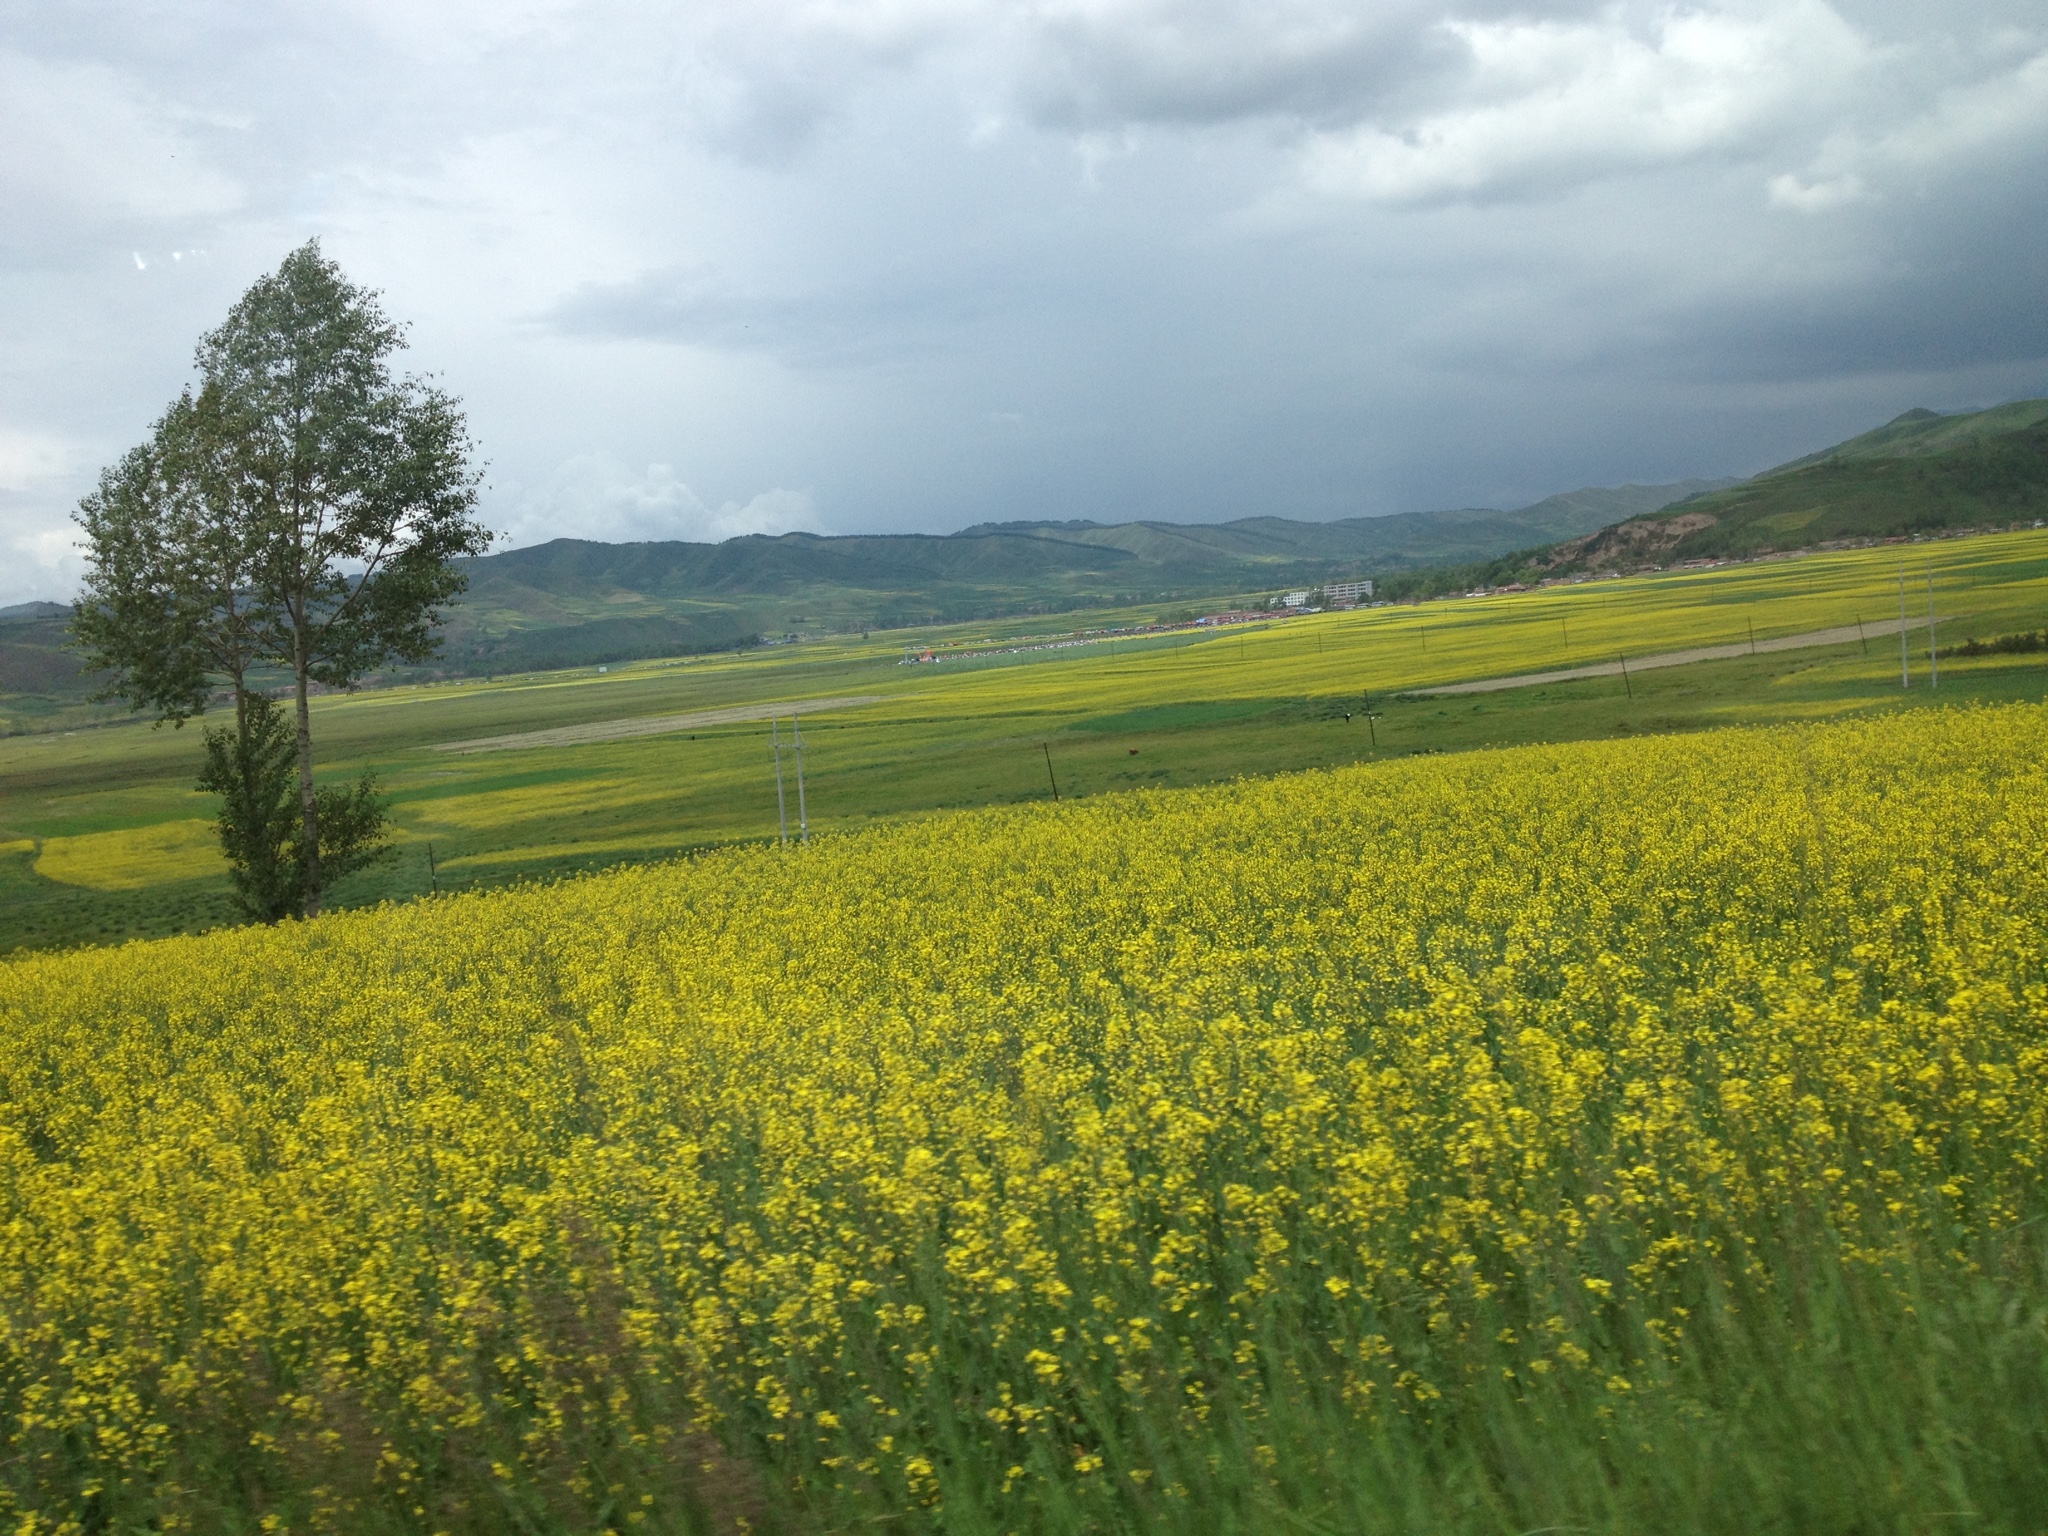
(1043, 1168)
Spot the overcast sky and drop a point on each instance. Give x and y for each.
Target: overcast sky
(872, 265)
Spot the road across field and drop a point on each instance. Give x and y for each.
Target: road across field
(1839, 636)
(650, 725)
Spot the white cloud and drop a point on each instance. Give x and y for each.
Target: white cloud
(1544, 106)
(45, 565)
(593, 496)
(45, 561)
(29, 461)
(2001, 109)
(2005, 108)
(1822, 196)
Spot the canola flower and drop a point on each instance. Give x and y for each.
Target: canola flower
(1030, 1169)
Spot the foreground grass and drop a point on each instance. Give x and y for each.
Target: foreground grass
(82, 812)
(1632, 1136)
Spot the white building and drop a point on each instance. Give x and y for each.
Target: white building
(1333, 592)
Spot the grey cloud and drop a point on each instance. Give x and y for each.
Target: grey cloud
(1310, 62)
(1434, 103)
(839, 328)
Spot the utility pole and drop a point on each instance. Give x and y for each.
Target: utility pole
(781, 807)
(1048, 772)
(1905, 673)
(1751, 622)
(803, 818)
(1861, 639)
(1933, 650)
(433, 872)
(1624, 678)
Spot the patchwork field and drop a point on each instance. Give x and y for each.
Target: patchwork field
(1609, 1137)
(101, 834)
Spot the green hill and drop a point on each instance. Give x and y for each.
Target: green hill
(1923, 431)
(1919, 473)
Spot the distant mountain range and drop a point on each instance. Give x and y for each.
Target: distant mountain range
(574, 602)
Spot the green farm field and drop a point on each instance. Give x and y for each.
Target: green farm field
(102, 837)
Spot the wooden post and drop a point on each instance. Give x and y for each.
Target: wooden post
(1049, 774)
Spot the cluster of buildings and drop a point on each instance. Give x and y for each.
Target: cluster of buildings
(1334, 594)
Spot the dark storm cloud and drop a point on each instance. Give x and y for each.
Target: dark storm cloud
(921, 263)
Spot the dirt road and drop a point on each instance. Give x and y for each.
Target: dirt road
(650, 725)
(1845, 635)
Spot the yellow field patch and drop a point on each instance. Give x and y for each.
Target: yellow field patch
(133, 858)
(1451, 1091)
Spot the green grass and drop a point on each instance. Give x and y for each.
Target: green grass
(1181, 709)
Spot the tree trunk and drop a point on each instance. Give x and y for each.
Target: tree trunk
(309, 805)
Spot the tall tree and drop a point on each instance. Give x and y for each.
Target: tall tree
(304, 509)
(352, 486)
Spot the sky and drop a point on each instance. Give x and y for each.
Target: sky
(705, 269)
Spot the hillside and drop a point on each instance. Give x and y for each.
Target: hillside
(1923, 431)
(41, 683)
(574, 601)
(1919, 473)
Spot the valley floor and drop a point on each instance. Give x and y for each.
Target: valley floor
(103, 838)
